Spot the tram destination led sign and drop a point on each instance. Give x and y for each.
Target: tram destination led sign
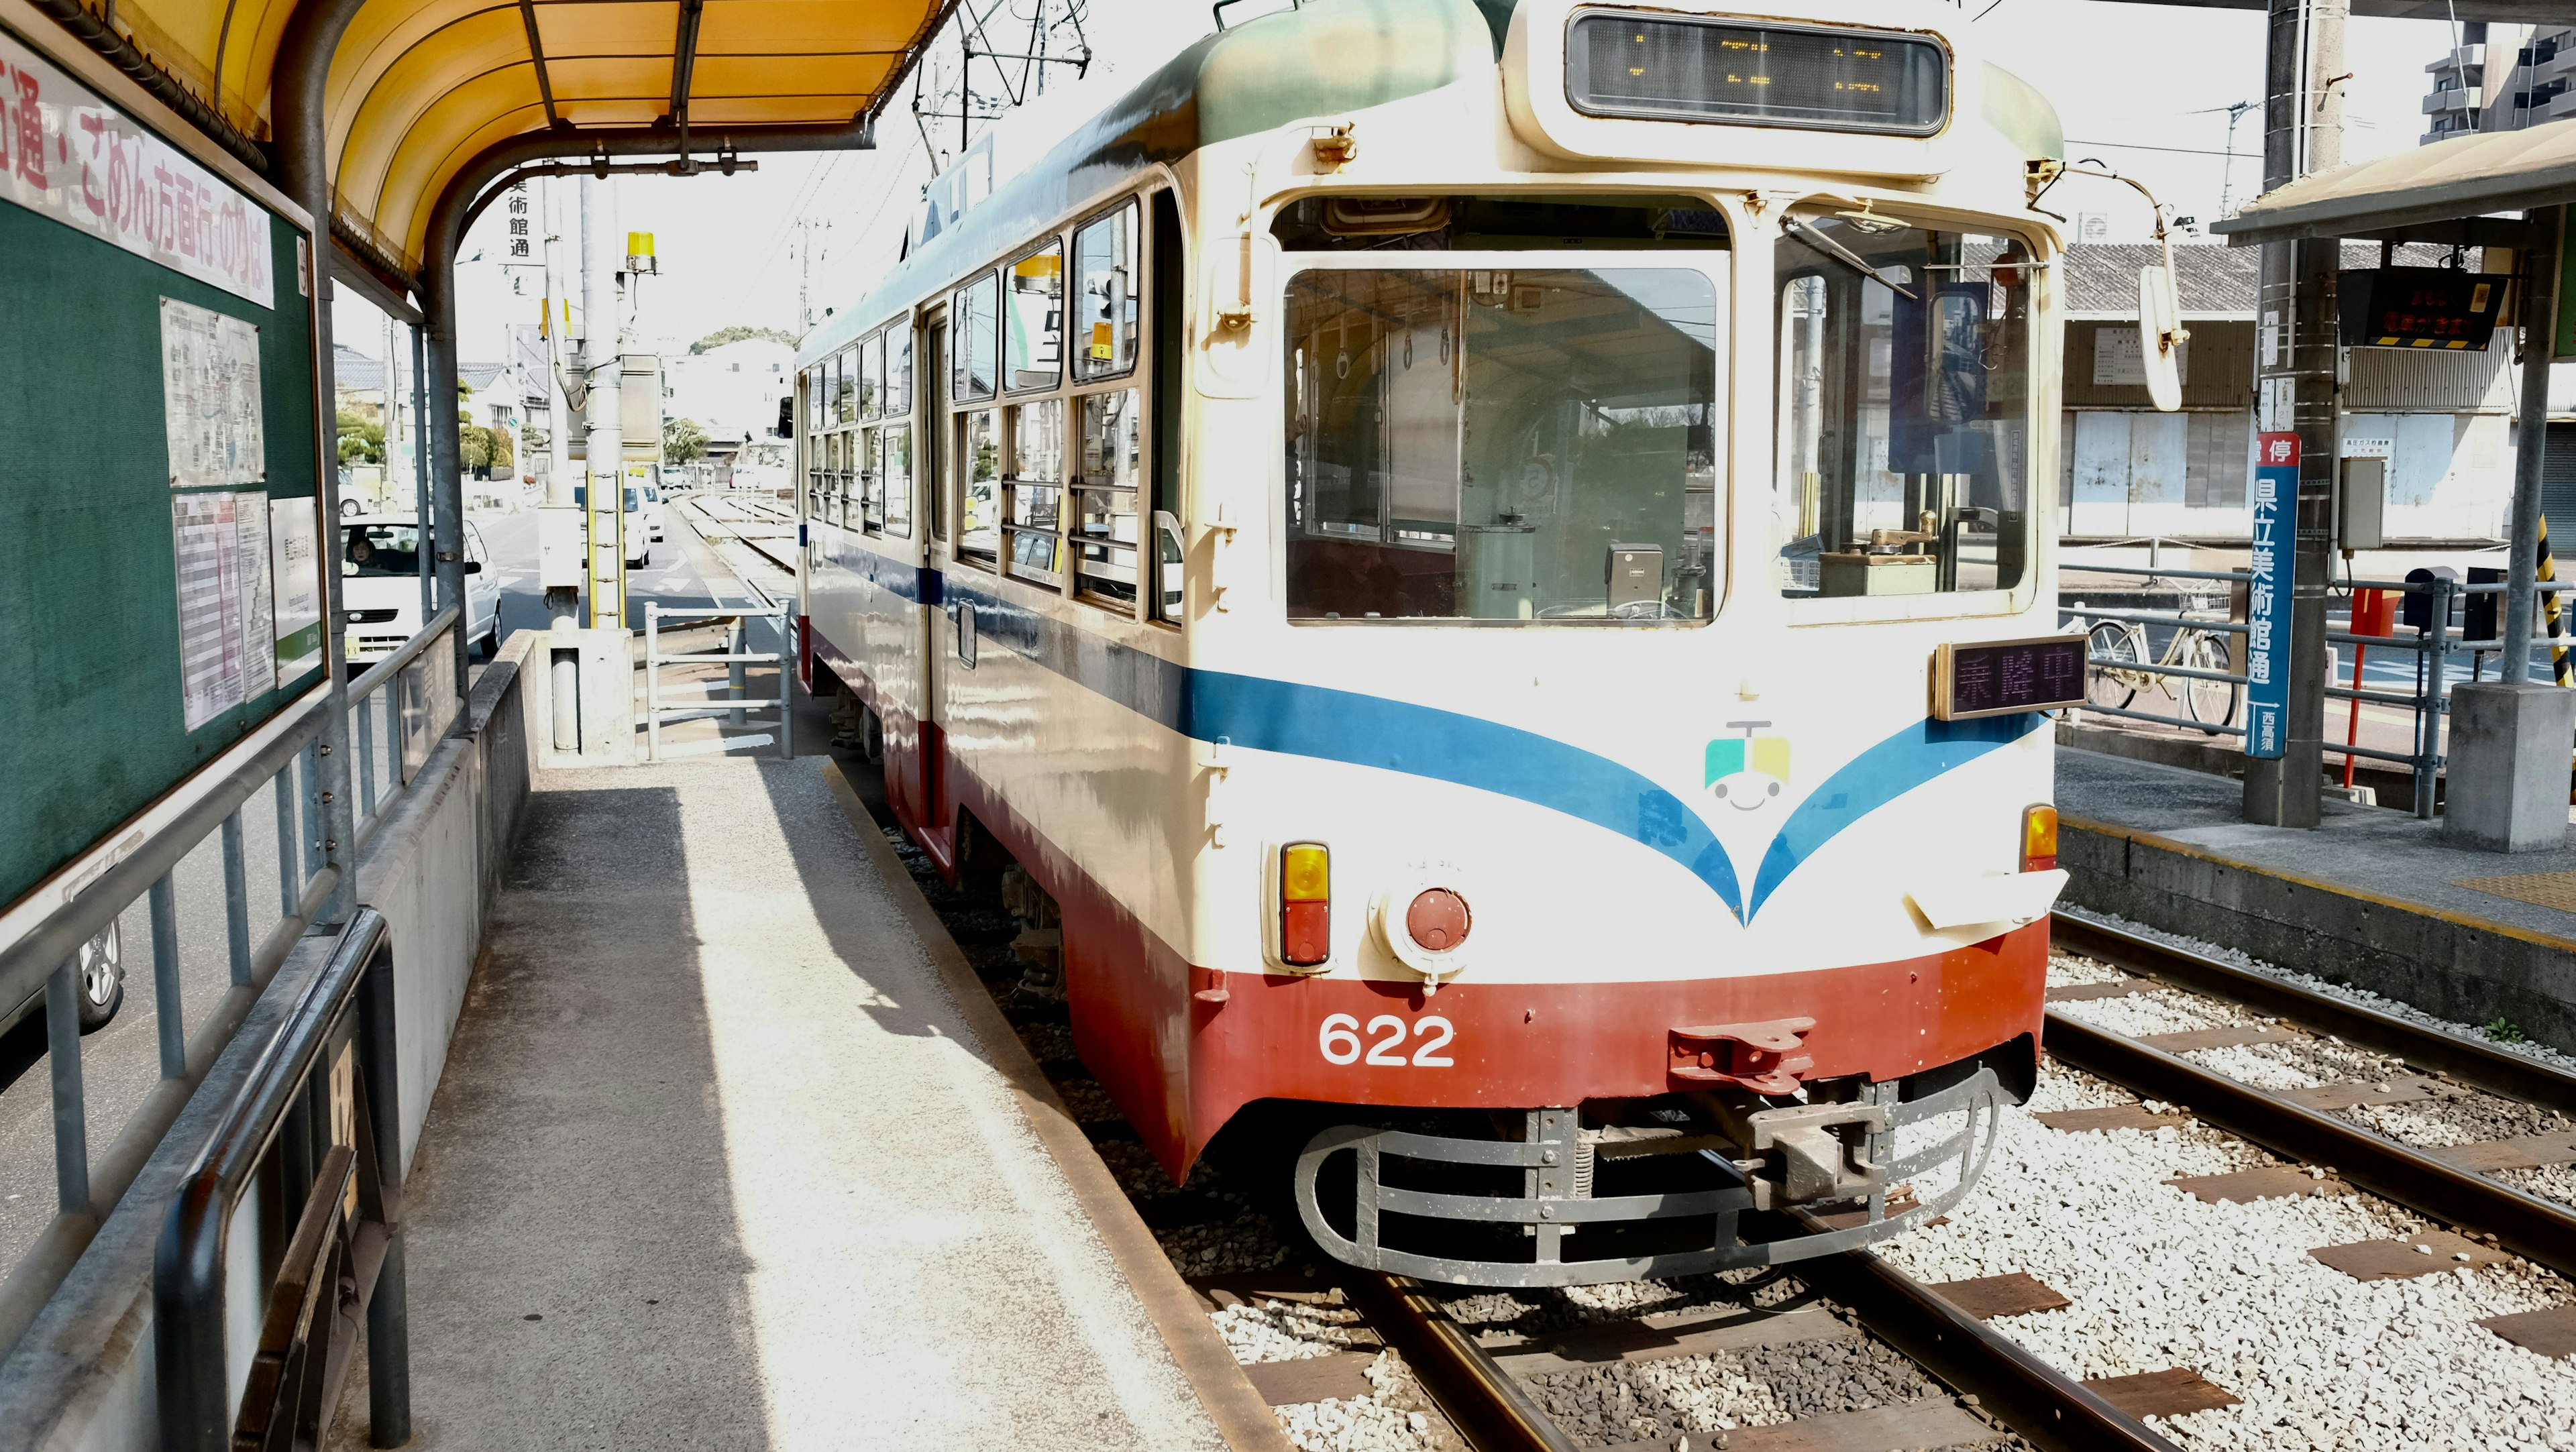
(2007, 677)
(1662, 67)
(2418, 307)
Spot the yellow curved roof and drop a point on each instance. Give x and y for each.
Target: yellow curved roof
(418, 88)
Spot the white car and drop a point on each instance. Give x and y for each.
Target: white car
(380, 587)
(639, 535)
(653, 509)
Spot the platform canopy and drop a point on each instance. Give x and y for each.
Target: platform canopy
(417, 89)
(2464, 176)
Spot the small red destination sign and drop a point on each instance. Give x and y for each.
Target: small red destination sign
(2003, 677)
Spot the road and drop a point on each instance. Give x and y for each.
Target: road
(121, 1062)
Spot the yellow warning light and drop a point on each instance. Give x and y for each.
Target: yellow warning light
(1305, 873)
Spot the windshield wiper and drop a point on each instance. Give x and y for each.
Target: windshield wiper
(1819, 239)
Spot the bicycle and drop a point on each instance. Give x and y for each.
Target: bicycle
(2120, 670)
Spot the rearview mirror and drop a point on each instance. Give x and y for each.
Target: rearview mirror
(2161, 334)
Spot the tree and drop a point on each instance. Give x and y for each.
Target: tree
(361, 442)
(504, 455)
(473, 444)
(739, 332)
(683, 441)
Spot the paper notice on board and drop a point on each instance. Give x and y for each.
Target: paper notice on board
(206, 540)
(295, 575)
(210, 397)
(258, 633)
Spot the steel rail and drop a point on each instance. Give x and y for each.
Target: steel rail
(2009, 1381)
(1488, 1406)
(2498, 1071)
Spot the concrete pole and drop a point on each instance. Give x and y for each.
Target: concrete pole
(2302, 133)
(2531, 437)
(604, 366)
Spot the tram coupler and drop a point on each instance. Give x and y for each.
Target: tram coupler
(1801, 1154)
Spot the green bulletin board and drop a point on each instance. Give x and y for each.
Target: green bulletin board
(115, 249)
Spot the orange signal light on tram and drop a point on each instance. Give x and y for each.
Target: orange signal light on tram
(2038, 837)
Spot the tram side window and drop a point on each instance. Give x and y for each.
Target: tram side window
(1902, 441)
(1105, 484)
(1535, 444)
(973, 352)
(979, 462)
(845, 387)
(871, 377)
(894, 472)
(1033, 487)
(1106, 311)
(1033, 321)
(898, 371)
(871, 483)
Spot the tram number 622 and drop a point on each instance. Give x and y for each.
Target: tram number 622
(1340, 1041)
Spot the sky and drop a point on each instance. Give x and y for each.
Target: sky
(730, 252)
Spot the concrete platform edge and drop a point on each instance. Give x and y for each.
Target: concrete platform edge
(2466, 969)
(1242, 1417)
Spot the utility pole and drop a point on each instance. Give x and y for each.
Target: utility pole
(2297, 350)
(603, 369)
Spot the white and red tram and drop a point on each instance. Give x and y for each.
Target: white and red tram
(1477, 551)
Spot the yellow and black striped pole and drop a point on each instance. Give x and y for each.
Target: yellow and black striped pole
(2558, 664)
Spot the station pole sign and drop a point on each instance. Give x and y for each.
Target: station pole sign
(2267, 604)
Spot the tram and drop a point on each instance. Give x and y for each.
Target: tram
(1488, 558)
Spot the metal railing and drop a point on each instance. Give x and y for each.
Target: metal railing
(65, 954)
(312, 1146)
(2436, 644)
(782, 619)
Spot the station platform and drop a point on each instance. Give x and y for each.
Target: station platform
(2375, 898)
(722, 1160)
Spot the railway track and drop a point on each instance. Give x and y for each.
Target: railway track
(1847, 1352)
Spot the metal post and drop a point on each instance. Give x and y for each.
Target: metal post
(71, 1128)
(2302, 133)
(167, 1015)
(367, 754)
(2428, 761)
(786, 682)
(236, 899)
(738, 672)
(421, 507)
(652, 680)
(388, 1311)
(2531, 438)
(308, 771)
(603, 422)
(290, 881)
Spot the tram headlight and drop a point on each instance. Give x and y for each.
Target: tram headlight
(2038, 837)
(1305, 904)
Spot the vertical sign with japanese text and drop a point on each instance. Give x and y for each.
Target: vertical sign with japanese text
(2267, 602)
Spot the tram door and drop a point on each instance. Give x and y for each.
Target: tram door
(939, 647)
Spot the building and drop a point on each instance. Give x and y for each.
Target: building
(733, 391)
(2500, 84)
(2442, 420)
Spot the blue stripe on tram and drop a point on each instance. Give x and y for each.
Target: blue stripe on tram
(1263, 714)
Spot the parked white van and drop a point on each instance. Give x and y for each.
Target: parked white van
(380, 586)
(639, 533)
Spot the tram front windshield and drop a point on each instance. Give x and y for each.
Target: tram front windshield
(1903, 434)
(1529, 444)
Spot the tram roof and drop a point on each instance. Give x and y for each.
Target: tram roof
(418, 89)
(1264, 73)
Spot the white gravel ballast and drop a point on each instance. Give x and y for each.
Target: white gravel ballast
(2159, 1280)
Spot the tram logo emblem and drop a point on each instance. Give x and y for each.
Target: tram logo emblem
(1747, 771)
